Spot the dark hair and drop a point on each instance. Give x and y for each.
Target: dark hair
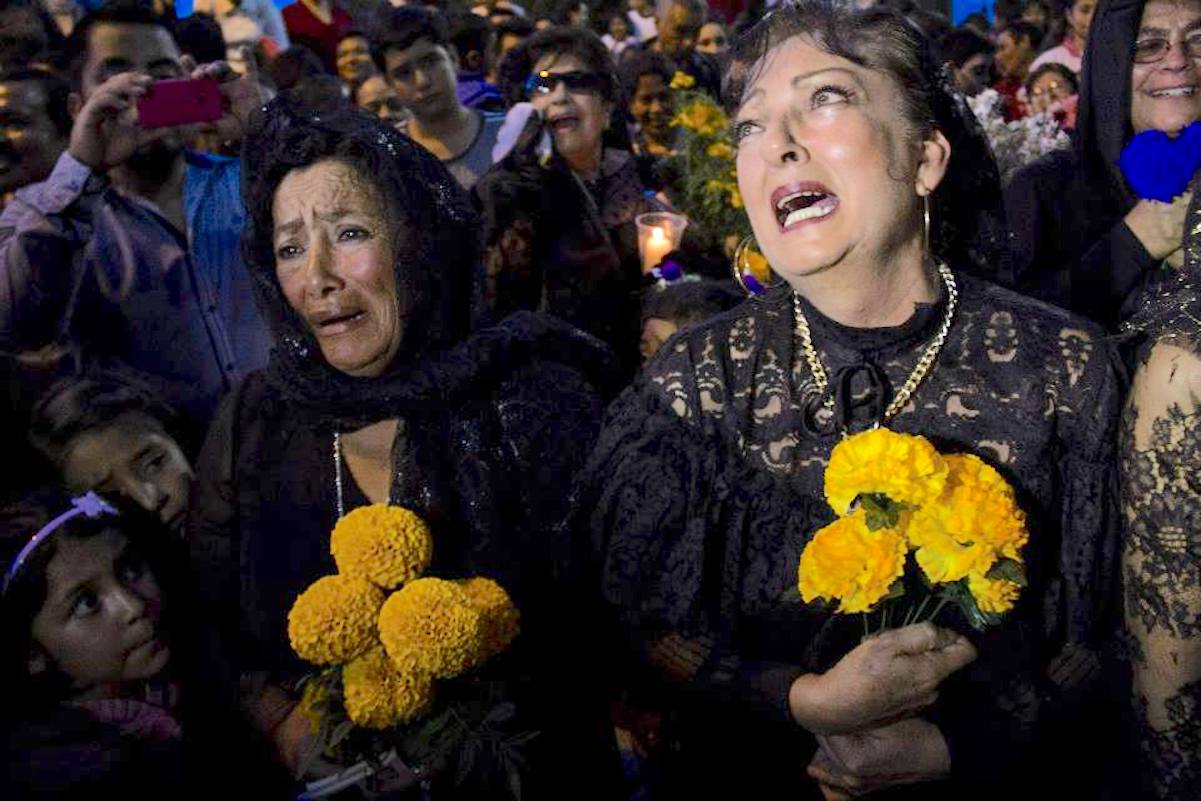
(294, 65)
(200, 37)
(1043, 4)
(56, 90)
(319, 93)
(558, 42)
(644, 62)
(977, 18)
(1024, 30)
(115, 12)
(561, 10)
(695, 6)
(932, 23)
(1053, 66)
(437, 253)
(21, 45)
(514, 26)
(469, 33)
(72, 407)
(961, 44)
(353, 33)
(401, 28)
(687, 302)
(967, 221)
(26, 595)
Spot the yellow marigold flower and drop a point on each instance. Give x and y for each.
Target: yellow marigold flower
(848, 562)
(378, 696)
(682, 80)
(735, 197)
(386, 545)
(333, 621)
(905, 468)
(720, 150)
(975, 522)
(501, 620)
(993, 595)
(701, 116)
(429, 625)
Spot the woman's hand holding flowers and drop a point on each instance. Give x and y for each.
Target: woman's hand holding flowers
(893, 675)
(906, 752)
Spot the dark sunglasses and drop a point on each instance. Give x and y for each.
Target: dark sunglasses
(578, 83)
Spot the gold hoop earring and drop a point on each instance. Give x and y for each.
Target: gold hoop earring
(744, 275)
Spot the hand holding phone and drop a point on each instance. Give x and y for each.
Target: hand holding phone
(180, 102)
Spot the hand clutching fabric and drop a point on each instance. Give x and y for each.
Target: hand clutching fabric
(1159, 227)
(887, 677)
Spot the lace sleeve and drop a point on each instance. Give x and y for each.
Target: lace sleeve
(1160, 459)
(689, 540)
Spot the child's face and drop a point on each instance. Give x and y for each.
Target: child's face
(136, 458)
(99, 624)
(619, 28)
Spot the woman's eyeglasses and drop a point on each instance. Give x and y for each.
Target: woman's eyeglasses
(1152, 49)
(577, 82)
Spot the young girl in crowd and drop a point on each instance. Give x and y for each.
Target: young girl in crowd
(92, 663)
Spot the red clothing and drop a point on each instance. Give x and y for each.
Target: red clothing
(305, 29)
(1008, 89)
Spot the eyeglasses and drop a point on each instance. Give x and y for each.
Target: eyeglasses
(577, 82)
(1152, 49)
(1052, 89)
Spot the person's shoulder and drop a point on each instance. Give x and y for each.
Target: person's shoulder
(1026, 311)
(1048, 176)
(732, 331)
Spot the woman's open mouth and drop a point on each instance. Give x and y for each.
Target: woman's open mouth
(800, 203)
(565, 123)
(336, 323)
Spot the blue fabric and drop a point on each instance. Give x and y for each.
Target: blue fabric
(1159, 167)
(80, 259)
(475, 92)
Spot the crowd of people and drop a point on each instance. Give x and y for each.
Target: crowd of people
(402, 265)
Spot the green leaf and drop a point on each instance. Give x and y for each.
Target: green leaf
(897, 590)
(1008, 570)
(880, 511)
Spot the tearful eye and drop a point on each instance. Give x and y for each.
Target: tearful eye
(740, 130)
(287, 252)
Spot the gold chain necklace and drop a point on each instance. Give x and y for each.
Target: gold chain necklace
(919, 371)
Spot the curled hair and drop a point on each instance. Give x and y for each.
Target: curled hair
(558, 42)
(435, 244)
(1064, 73)
(967, 220)
(644, 62)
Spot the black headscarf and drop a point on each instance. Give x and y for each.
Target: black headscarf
(437, 266)
(1103, 123)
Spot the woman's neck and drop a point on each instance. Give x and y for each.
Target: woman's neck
(872, 293)
(587, 165)
(368, 455)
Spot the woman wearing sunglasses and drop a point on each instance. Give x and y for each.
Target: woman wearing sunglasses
(559, 208)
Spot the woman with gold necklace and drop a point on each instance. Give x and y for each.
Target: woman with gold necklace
(867, 192)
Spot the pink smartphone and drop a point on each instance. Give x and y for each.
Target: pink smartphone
(180, 102)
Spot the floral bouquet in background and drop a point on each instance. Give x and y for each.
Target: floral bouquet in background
(915, 527)
(398, 655)
(1016, 144)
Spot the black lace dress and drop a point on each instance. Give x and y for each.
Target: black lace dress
(1160, 454)
(707, 484)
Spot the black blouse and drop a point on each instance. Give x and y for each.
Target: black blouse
(707, 484)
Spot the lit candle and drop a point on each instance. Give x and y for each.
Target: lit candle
(655, 248)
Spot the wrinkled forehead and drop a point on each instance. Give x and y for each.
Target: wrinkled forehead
(793, 61)
(323, 192)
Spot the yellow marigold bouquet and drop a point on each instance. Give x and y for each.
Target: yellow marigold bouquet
(400, 656)
(704, 181)
(910, 516)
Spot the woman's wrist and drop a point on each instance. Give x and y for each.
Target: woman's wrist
(804, 702)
